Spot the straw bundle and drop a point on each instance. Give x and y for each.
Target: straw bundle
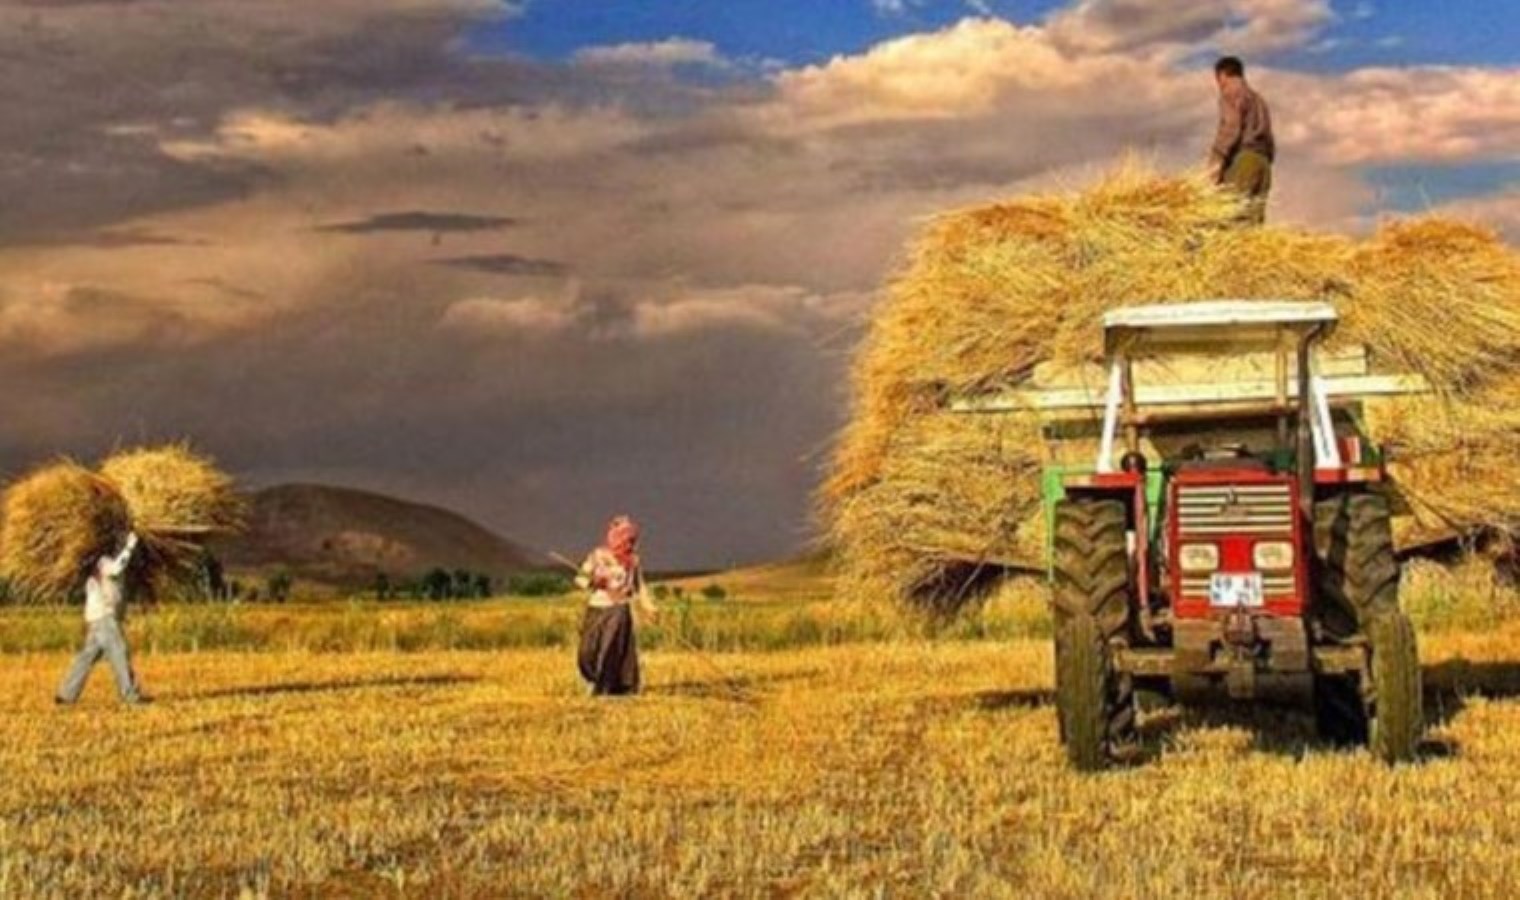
(56, 522)
(174, 493)
(59, 520)
(919, 501)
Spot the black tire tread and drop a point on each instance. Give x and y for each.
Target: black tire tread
(1396, 699)
(1081, 678)
(1091, 596)
(1091, 564)
(1356, 572)
(1357, 593)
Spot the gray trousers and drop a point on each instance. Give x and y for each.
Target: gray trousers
(104, 638)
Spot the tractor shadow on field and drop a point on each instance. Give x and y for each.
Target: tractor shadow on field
(1450, 684)
(1279, 728)
(1287, 729)
(1033, 698)
(335, 686)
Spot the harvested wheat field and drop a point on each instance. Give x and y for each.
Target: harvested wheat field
(903, 767)
(1012, 295)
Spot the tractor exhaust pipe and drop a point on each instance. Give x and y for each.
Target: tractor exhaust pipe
(1305, 436)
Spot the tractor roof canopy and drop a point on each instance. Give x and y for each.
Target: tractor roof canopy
(1213, 327)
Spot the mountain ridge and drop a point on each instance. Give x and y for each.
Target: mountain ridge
(348, 536)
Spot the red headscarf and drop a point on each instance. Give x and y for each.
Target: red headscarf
(622, 539)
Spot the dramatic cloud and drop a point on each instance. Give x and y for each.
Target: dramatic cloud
(1425, 114)
(329, 242)
(1241, 26)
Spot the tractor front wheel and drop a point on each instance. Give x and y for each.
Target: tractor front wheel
(1090, 701)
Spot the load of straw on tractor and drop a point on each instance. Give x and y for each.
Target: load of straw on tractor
(922, 504)
(55, 522)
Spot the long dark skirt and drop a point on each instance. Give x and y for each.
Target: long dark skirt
(609, 657)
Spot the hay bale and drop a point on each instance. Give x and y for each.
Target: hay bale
(54, 524)
(178, 500)
(172, 492)
(987, 295)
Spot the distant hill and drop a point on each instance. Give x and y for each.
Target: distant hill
(341, 536)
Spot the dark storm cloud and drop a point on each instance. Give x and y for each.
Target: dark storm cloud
(507, 264)
(355, 393)
(91, 89)
(433, 222)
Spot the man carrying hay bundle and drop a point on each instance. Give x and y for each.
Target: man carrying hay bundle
(104, 607)
(140, 525)
(609, 652)
(1243, 148)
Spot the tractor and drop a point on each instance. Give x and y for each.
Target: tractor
(1233, 535)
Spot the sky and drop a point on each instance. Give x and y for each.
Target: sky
(542, 261)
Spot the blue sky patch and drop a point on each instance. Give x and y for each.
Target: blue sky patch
(792, 31)
(1417, 188)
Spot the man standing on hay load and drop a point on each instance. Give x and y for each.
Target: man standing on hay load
(104, 605)
(1243, 149)
(609, 654)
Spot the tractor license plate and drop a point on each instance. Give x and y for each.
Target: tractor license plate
(1235, 591)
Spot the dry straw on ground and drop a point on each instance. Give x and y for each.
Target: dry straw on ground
(918, 498)
(55, 522)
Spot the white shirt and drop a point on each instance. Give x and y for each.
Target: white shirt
(103, 590)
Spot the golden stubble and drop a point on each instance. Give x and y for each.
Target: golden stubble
(906, 766)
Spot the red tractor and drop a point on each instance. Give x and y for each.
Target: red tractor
(1233, 533)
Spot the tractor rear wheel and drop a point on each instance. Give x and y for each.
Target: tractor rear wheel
(1095, 702)
(1394, 701)
(1356, 573)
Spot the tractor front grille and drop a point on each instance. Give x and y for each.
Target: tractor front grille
(1217, 510)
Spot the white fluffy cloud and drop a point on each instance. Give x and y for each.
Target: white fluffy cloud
(669, 52)
(969, 69)
(526, 317)
(1417, 114)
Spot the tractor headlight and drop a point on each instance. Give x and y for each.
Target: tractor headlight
(1273, 556)
(1198, 557)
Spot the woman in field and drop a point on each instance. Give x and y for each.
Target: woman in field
(609, 655)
